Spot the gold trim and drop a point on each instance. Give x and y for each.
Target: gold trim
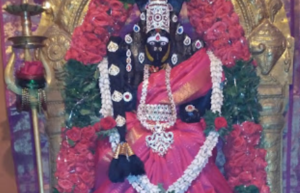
(117, 152)
(129, 150)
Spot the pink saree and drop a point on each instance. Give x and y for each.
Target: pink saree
(189, 80)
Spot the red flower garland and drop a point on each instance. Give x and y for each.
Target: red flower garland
(245, 160)
(218, 24)
(75, 167)
(103, 19)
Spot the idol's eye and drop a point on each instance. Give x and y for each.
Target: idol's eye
(163, 43)
(152, 43)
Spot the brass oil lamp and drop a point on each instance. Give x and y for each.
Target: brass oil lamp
(33, 77)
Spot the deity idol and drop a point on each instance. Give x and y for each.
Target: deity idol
(160, 84)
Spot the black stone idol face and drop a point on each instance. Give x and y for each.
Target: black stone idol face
(158, 47)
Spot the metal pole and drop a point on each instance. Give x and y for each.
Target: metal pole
(37, 148)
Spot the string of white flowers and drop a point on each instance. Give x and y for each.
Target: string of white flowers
(216, 70)
(104, 85)
(107, 106)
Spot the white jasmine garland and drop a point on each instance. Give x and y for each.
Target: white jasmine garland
(216, 69)
(107, 106)
(104, 85)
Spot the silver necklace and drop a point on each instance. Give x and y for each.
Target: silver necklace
(157, 117)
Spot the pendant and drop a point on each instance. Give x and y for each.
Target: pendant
(160, 141)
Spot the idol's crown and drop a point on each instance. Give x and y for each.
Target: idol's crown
(158, 15)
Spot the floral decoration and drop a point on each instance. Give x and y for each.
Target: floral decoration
(107, 123)
(215, 22)
(75, 164)
(103, 19)
(245, 160)
(220, 122)
(218, 24)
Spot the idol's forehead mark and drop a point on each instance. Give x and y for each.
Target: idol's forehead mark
(157, 38)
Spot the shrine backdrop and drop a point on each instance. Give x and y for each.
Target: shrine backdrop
(21, 132)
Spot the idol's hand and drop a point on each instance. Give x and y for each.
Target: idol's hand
(190, 114)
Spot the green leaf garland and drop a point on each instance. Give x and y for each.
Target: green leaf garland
(81, 94)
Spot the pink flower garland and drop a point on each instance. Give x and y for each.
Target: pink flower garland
(103, 19)
(245, 160)
(217, 23)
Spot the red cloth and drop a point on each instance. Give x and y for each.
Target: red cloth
(188, 138)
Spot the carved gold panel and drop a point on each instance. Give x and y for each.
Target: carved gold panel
(267, 30)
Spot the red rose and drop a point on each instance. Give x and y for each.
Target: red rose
(73, 178)
(86, 177)
(97, 126)
(66, 185)
(260, 163)
(80, 168)
(82, 148)
(107, 123)
(236, 131)
(218, 30)
(260, 175)
(261, 152)
(235, 32)
(31, 70)
(233, 182)
(81, 188)
(245, 177)
(65, 144)
(220, 122)
(74, 134)
(257, 183)
(88, 133)
(239, 144)
(265, 189)
(116, 5)
(91, 164)
(62, 173)
(249, 128)
(235, 171)
(71, 155)
(254, 140)
(238, 160)
(249, 166)
(90, 156)
(82, 158)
